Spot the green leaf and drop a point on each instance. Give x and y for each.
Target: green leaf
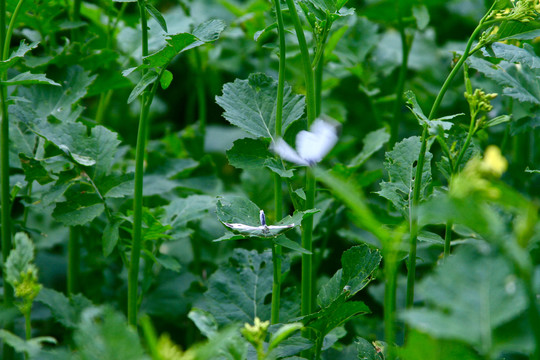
(518, 84)
(206, 32)
(17, 55)
(67, 311)
(182, 211)
(401, 167)
(81, 208)
(421, 346)
(166, 79)
(148, 79)
(436, 126)
(421, 14)
(359, 263)
(168, 262)
(237, 291)
(253, 154)
(110, 237)
(525, 56)
(496, 121)
(282, 333)
(373, 141)
(30, 347)
(110, 335)
(366, 350)
(58, 101)
(156, 15)
(470, 295)
(34, 170)
(250, 104)
(20, 258)
(282, 240)
(204, 321)
(28, 78)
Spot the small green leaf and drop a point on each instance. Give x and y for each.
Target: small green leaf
(30, 347)
(17, 55)
(148, 79)
(373, 141)
(250, 104)
(282, 333)
(253, 154)
(282, 240)
(20, 258)
(156, 15)
(168, 262)
(204, 321)
(34, 170)
(401, 166)
(166, 79)
(81, 208)
(28, 78)
(110, 237)
(496, 121)
(421, 14)
(67, 311)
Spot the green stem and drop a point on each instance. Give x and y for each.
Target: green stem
(4, 172)
(411, 265)
(146, 100)
(201, 97)
(405, 50)
(103, 103)
(278, 196)
(10, 29)
(28, 326)
(318, 85)
(534, 315)
(390, 270)
(447, 238)
(73, 261)
(151, 338)
(308, 71)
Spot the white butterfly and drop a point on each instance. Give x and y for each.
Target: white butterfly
(264, 230)
(311, 146)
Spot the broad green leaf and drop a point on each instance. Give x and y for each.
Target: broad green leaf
(116, 186)
(28, 78)
(237, 291)
(253, 154)
(17, 55)
(79, 209)
(518, 30)
(251, 104)
(513, 54)
(401, 167)
(359, 263)
(156, 15)
(58, 101)
(373, 141)
(366, 350)
(206, 32)
(470, 295)
(520, 84)
(20, 258)
(67, 311)
(148, 79)
(182, 211)
(285, 242)
(421, 14)
(30, 347)
(110, 335)
(421, 346)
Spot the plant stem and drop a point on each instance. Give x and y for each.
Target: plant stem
(318, 84)
(28, 326)
(146, 100)
(278, 196)
(420, 167)
(307, 224)
(73, 261)
(405, 50)
(447, 238)
(308, 71)
(390, 270)
(201, 97)
(4, 172)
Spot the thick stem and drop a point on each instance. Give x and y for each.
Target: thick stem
(73, 261)
(146, 100)
(27, 326)
(318, 85)
(201, 96)
(447, 238)
(307, 237)
(276, 285)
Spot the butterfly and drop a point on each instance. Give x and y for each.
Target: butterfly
(311, 146)
(263, 230)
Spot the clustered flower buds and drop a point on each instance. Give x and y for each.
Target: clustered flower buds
(27, 289)
(522, 10)
(480, 101)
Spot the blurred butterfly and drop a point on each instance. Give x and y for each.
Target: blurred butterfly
(263, 230)
(311, 146)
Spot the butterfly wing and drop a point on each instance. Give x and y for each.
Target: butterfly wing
(243, 227)
(286, 152)
(313, 145)
(280, 227)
